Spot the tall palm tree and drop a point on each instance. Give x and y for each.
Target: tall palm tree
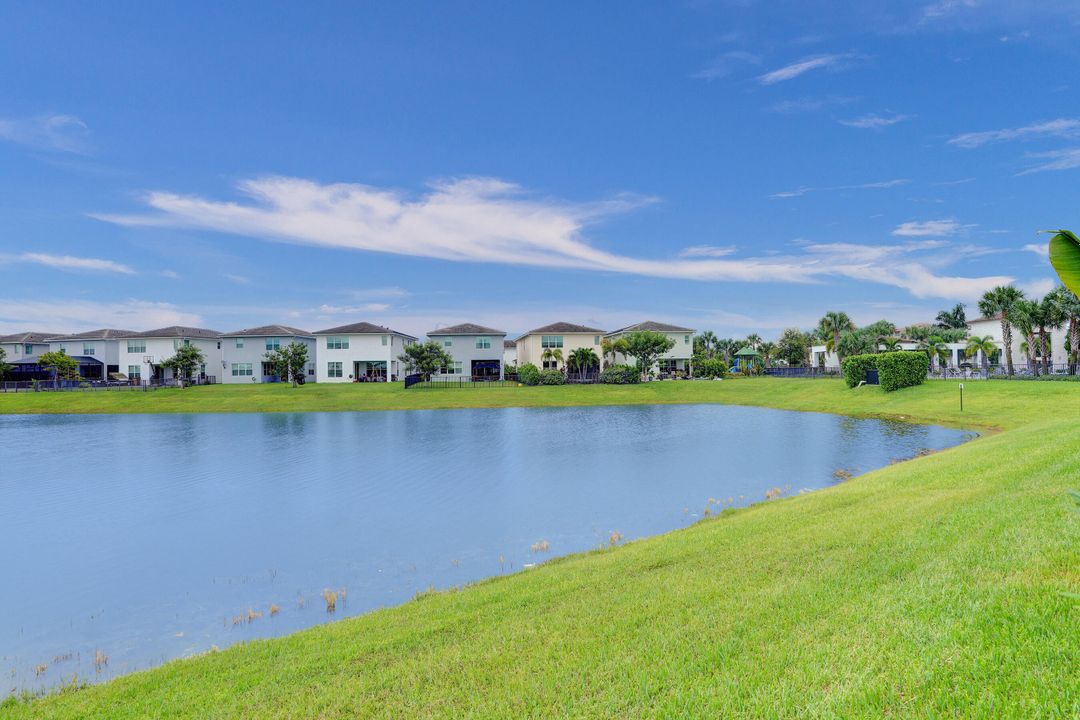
(984, 345)
(1001, 300)
(1068, 305)
(725, 347)
(753, 340)
(583, 360)
(1026, 317)
(1051, 315)
(708, 339)
(954, 318)
(937, 349)
(831, 326)
(767, 349)
(889, 344)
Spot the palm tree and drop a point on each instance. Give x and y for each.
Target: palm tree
(709, 339)
(1068, 306)
(1026, 317)
(889, 344)
(1051, 315)
(725, 347)
(753, 340)
(550, 354)
(583, 360)
(1001, 300)
(937, 349)
(954, 318)
(766, 349)
(831, 325)
(984, 345)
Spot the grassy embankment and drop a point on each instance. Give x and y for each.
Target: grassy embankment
(928, 588)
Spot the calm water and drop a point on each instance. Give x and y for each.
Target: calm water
(144, 536)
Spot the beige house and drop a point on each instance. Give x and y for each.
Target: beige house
(561, 336)
(676, 360)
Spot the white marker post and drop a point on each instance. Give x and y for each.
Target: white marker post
(961, 397)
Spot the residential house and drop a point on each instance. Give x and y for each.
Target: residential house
(510, 360)
(243, 353)
(97, 351)
(25, 344)
(360, 352)
(1056, 338)
(142, 353)
(679, 359)
(561, 336)
(476, 352)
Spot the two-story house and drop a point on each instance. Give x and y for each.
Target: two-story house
(142, 353)
(476, 352)
(360, 352)
(243, 353)
(562, 337)
(677, 360)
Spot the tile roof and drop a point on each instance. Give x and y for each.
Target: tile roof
(269, 331)
(28, 337)
(361, 328)
(102, 334)
(177, 331)
(562, 327)
(509, 344)
(466, 329)
(653, 326)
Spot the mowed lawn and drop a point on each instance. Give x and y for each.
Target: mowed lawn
(930, 588)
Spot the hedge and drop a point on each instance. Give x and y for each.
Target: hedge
(902, 369)
(710, 368)
(529, 374)
(855, 367)
(552, 376)
(620, 375)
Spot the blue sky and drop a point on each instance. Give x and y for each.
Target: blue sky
(735, 166)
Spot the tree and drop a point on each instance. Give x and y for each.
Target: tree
(1026, 316)
(955, 318)
(1065, 257)
(984, 345)
(646, 346)
(290, 362)
(936, 348)
(793, 346)
(1068, 306)
(550, 355)
(1001, 300)
(1051, 315)
(583, 360)
(63, 367)
(889, 344)
(831, 326)
(185, 362)
(726, 348)
(425, 358)
(855, 342)
(708, 342)
(768, 351)
(4, 367)
(753, 340)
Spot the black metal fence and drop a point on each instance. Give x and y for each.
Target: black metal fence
(473, 383)
(803, 372)
(77, 385)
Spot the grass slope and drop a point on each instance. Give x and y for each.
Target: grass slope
(929, 588)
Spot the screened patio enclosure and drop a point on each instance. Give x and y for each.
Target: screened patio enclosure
(369, 370)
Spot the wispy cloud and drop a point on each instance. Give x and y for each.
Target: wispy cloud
(700, 251)
(238, 279)
(482, 220)
(945, 8)
(928, 228)
(1040, 249)
(1066, 159)
(72, 315)
(331, 310)
(807, 104)
(63, 133)
(795, 69)
(68, 262)
(881, 185)
(873, 121)
(171, 274)
(1062, 127)
(381, 292)
(726, 64)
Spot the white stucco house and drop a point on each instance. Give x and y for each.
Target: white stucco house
(98, 351)
(1056, 337)
(562, 336)
(243, 353)
(476, 352)
(360, 352)
(679, 359)
(26, 344)
(141, 353)
(510, 360)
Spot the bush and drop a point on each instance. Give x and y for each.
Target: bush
(529, 374)
(902, 369)
(552, 377)
(855, 367)
(620, 375)
(710, 368)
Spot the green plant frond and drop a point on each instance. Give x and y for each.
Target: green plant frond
(1065, 257)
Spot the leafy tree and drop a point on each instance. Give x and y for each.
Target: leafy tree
(955, 318)
(753, 340)
(425, 358)
(889, 344)
(1026, 316)
(831, 326)
(855, 342)
(1002, 299)
(1065, 257)
(711, 368)
(708, 342)
(881, 328)
(290, 362)
(4, 367)
(918, 333)
(984, 345)
(185, 362)
(767, 350)
(646, 347)
(937, 349)
(1068, 306)
(726, 349)
(63, 366)
(794, 346)
(583, 360)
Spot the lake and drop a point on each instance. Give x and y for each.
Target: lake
(151, 537)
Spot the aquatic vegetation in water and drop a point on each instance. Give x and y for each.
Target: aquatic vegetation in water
(100, 660)
(773, 494)
(615, 538)
(330, 597)
(542, 546)
(274, 609)
(842, 474)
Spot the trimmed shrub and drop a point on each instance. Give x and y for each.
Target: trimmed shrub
(855, 367)
(620, 375)
(710, 368)
(529, 374)
(902, 369)
(552, 376)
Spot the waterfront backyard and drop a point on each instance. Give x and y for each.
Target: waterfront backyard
(933, 585)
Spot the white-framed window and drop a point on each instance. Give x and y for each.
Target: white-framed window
(177, 342)
(135, 372)
(452, 368)
(596, 340)
(239, 343)
(551, 341)
(242, 370)
(136, 346)
(311, 370)
(448, 342)
(63, 347)
(28, 349)
(337, 342)
(384, 339)
(686, 339)
(550, 365)
(483, 343)
(273, 344)
(333, 369)
(88, 349)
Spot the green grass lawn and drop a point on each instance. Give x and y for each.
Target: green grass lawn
(930, 588)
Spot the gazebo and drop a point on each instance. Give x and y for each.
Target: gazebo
(747, 358)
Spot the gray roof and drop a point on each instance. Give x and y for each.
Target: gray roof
(652, 326)
(562, 327)
(103, 334)
(177, 331)
(466, 329)
(509, 344)
(33, 360)
(362, 328)
(28, 337)
(269, 331)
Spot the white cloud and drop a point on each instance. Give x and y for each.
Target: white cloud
(707, 251)
(799, 192)
(384, 292)
(795, 69)
(1067, 159)
(807, 105)
(68, 262)
(171, 274)
(726, 65)
(330, 310)
(928, 228)
(944, 8)
(238, 279)
(1062, 127)
(19, 314)
(474, 220)
(1037, 287)
(64, 133)
(1040, 249)
(873, 121)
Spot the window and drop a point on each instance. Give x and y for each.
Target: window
(337, 342)
(452, 368)
(551, 341)
(176, 343)
(63, 347)
(384, 338)
(483, 343)
(135, 372)
(136, 346)
(448, 342)
(551, 365)
(242, 370)
(88, 349)
(273, 343)
(239, 343)
(596, 340)
(311, 370)
(686, 339)
(333, 369)
(28, 349)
